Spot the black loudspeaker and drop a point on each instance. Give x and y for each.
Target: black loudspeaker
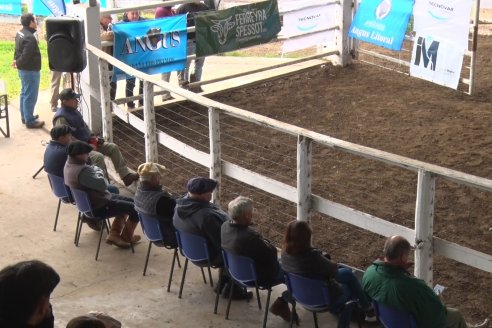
(66, 44)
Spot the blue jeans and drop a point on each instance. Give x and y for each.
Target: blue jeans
(29, 94)
(352, 290)
(185, 74)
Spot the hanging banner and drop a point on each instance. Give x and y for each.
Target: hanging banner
(309, 40)
(308, 20)
(11, 7)
(382, 22)
(444, 20)
(438, 61)
(236, 28)
(151, 46)
(56, 7)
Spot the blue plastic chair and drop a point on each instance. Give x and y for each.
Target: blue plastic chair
(394, 318)
(242, 271)
(61, 191)
(152, 230)
(83, 203)
(195, 249)
(313, 295)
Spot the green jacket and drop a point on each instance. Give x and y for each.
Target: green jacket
(395, 287)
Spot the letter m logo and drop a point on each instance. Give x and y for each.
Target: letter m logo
(429, 55)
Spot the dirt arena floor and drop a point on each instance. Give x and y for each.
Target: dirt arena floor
(374, 107)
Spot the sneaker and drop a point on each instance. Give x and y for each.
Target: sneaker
(130, 178)
(281, 308)
(35, 125)
(24, 121)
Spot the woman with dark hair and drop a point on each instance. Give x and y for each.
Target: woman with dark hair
(300, 257)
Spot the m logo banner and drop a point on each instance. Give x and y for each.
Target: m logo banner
(444, 19)
(151, 46)
(236, 28)
(436, 61)
(382, 22)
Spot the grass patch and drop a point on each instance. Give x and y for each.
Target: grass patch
(10, 75)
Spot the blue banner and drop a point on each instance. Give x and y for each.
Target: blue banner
(151, 46)
(11, 7)
(57, 7)
(382, 22)
(39, 8)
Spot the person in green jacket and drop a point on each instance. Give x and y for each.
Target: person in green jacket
(388, 281)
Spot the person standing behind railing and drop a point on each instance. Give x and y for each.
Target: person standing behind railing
(132, 16)
(108, 35)
(184, 77)
(162, 12)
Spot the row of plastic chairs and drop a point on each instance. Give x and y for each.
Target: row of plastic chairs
(312, 294)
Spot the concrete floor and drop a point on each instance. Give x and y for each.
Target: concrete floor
(114, 284)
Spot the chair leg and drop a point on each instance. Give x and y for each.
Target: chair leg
(266, 307)
(258, 298)
(57, 213)
(38, 171)
(175, 255)
(210, 277)
(230, 298)
(217, 292)
(79, 230)
(147, 258)
(292, 314)
(76, 230)
(315, 320)
(183, 278)
(99, 244)
(203, 275)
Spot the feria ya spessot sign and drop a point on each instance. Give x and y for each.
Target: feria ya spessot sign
(382, 22)
(236, 28)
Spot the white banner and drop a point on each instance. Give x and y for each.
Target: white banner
(436, 61)
(308, 20)
(443, 20)
(310, 40)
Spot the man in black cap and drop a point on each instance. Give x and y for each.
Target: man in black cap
(25, 290)
(68, 114)
(89, 178)
(195, 214)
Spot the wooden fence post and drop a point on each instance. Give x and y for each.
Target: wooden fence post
(424, 226)
(304, 156)
(215, 151)
(151, 154)
(104, 87)
(343, 41)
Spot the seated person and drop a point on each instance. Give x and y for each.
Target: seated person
(300, 257)
(94, 320)
(195, 214)
(152, 199)
(387, 281)
(68, 114)
(239, 238)
(79, 175)
(55, 157)
(25, 290)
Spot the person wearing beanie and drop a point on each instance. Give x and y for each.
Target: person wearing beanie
(152, 199)
(68, 114)
(89, 178)
(25, 290)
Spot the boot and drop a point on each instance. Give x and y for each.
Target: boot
(114, 237)
(127, 233)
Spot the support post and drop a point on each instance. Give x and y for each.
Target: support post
(151, 154)
(304, 157)
(215, 151)
(343, 44)
(104, 87)
(424, 226)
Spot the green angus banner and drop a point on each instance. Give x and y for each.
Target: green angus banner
(236, 28)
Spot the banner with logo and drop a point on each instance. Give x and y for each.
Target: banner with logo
(444, 19)
(236, 28)
(308, 20)
(11, 7)
(42, 8)
(56, 7)
(438, 61)
(309, 40)
(382, 22)
(151, 46)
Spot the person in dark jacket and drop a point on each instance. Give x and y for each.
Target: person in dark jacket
(300, 257)
(27, 60)
(25, 289)
(387, 281)
(152, 199)
(89, 178)
(68, 114)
